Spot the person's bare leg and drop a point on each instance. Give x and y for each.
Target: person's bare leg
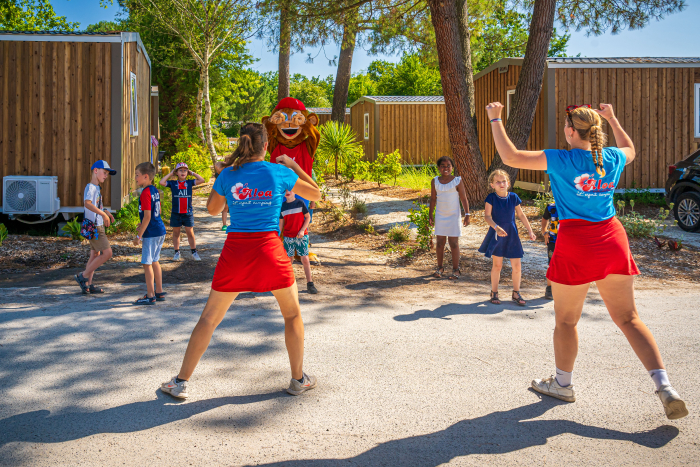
(516, 267)
(440, 249)
(454, 248)
(307, 268)
(98, 261)
(176, 238)
(617, 291)
(190, 237)
(158, 276)
(148, 272)
(93, 255)
(288, 300)
(214, 311)
(568, 305)
(496, 272)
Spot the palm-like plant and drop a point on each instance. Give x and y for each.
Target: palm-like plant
(338, 141)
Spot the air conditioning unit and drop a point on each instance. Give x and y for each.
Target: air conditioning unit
(30, 195)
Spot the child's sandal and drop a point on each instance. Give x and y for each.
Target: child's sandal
(82, 282)
(455, 274)
(517, 298)
(94, 289)
(494, 298)
(438, 272)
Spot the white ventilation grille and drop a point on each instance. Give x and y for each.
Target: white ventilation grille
(30, 195)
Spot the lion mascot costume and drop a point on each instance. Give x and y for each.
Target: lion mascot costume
(291, 131)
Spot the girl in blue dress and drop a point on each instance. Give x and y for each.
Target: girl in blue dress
(502, 240)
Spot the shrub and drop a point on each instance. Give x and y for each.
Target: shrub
(641, 196)
(197, 159)
(637, 225)
(72, 228)
(220, 143)
(399, 233)
(367, 225)
(542, 199)
(354, 166)
(385, 166)
(337, 213)
(338, 143)
(359, 206)
(3, 233)
(420, 216)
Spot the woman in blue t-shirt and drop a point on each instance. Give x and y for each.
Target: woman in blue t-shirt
(592, 245)
(253, 258)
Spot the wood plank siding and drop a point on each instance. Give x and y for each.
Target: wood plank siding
(323, 118)
(493, 87)
(55, 112)
(653, 105)
(418, 131)
(357, 116)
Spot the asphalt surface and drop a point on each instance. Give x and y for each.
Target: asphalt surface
(416, 381)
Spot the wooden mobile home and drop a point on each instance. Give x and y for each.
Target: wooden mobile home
(415, 125)
(324, 114)
(68, 99)
(657, 101)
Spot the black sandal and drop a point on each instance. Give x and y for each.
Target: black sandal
(160, 296)
(94, 289)
(455, 274)
(82, 282)
(517, 298)
(438, 272)
(494, 298)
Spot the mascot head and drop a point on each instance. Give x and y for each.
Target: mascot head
(291, 124)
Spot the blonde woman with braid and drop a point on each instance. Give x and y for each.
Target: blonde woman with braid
(253, 258)
(592, 245)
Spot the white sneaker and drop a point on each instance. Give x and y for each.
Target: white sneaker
(550, 387)
(177, 256)
(175, 389)
(295, 387)
(673, 404)
(196, 257)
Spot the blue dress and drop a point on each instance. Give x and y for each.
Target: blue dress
(503, 214)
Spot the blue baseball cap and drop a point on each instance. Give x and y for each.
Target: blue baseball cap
(103, 165)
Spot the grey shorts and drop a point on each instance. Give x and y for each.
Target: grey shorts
(150, 251)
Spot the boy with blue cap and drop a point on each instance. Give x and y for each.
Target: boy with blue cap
(96, 219)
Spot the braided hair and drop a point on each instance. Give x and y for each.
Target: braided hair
(588, 125)
(250, 145)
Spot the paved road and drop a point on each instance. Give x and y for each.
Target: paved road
(421, 382)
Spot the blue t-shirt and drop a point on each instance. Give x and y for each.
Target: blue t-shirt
(182, 195)
(577, 187)
(150, 201)
(254, 194)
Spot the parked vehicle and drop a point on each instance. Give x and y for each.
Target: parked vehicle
(683, 190)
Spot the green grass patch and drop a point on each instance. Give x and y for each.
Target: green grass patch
(417, 178)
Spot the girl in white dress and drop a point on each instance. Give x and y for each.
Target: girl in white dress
(446, 191)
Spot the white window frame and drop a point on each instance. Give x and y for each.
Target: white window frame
(697, 110)
(133, 105)
(509, 93)
(366, 132)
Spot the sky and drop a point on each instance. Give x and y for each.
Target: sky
(674, 36)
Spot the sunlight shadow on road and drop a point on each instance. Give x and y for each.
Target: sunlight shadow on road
(478, 308)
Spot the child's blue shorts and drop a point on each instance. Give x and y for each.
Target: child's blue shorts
(181, 220)
(150, 251)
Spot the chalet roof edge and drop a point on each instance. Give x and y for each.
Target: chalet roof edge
(401, 100)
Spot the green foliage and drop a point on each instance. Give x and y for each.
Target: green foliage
(637, 225)
(420, 216)
(385, 166)
(367, 226)
(417, 178)
(197, 160)
(399, 233)
(126, 220)
(313, 92)
(32, 15)
(353, 165)
(338, 143)
(3, 233)
(73, 228)
(361, 84)
(641, 196)
(542, 199)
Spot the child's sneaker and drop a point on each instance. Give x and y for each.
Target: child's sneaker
(146, 301)
(177, 256)
(196, 257)
(224, 227)
(295, 387)
(673, 404)
(311, 288)
(550, 387)
(548, 293)
(175, 389)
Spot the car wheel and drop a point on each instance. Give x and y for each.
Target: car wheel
(687, 211)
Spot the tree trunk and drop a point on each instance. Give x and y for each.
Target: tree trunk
(465, 39)
(342, 77)
(198, 117)
(529, 87)
(207, 114)
(465, 147)
(285, 47)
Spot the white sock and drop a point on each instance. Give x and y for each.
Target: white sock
(564, 378)
(660, 378)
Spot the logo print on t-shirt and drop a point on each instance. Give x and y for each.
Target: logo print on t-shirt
(240, 191)
(587, 183)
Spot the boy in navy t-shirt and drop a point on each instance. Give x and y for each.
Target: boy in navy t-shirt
(294, 221)
(182, 214)
(151, 231)
(550, 228)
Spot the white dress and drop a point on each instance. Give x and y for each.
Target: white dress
(448, 216)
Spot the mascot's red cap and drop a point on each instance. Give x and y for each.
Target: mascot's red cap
(290, 103)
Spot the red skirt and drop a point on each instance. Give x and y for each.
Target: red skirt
(589, 251)
(253, 262)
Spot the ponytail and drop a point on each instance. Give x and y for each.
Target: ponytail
(587, 124)
(250, 145)
(597, 139)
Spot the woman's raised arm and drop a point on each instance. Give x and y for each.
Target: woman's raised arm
(510, 155)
